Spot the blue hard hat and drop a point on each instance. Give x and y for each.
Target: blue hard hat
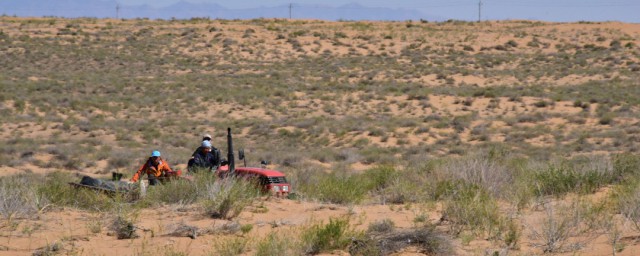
(155, 153)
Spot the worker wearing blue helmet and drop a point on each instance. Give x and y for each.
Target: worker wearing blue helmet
(154, 167)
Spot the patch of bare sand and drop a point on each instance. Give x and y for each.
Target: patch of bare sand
(470, 79)
(572, 79)
(360, 167)
(82, 231)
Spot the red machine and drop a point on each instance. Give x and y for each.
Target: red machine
(271, 181)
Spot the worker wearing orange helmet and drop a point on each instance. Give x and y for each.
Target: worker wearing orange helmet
(154, 167)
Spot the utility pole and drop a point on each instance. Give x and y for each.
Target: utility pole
(117, 10)
(479, 10)
(290, 6)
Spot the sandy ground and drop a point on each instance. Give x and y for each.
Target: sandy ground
(166, 229)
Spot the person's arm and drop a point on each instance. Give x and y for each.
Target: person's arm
(136, 176)
(195, 163)
(165, 168)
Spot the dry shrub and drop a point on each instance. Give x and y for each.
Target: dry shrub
(601, 164)
(303, 177)
(382, 226)
(124, 228)
(226, 198)
(427, 239)
(482, 170)
(20, 197)
(183, 230)
(54, 248)
(627, 197)
(123, 222)
(566, 228)
(470, 207)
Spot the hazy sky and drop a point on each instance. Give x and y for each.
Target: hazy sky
(552, 10)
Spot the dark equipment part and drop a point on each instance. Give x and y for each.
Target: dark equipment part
(116, 176)
(241, 156)
(110, 188)
(230, 157)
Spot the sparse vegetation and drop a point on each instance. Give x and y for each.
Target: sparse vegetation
(478, 118)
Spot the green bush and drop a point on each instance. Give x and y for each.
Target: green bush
(332, 236)
(380, 177)
(626, 165)
(338, 189)
(469, 207)
(606, 119)
(559, 180)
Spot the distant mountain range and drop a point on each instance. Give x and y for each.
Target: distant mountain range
(186, 10)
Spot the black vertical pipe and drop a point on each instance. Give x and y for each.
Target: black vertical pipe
(231, 158)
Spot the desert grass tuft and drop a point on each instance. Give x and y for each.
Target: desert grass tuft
(226, 198)
(232, 246)
(320, 237)
(20, 198)
(566, 228)
(277, 243)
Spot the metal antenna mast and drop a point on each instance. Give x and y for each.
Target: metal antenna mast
(290, 6)
(479, 10)
(117, 10)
